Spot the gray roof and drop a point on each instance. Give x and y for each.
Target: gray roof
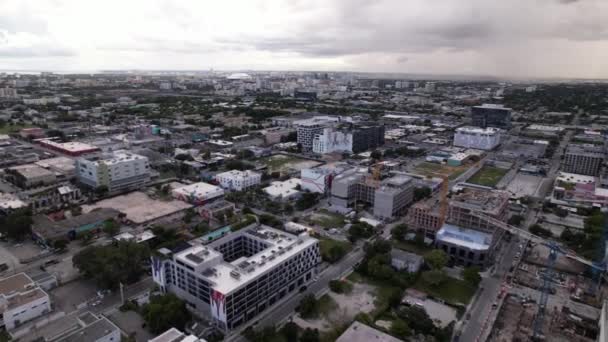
(359, 332)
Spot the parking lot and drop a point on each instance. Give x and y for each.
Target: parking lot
(68, 297)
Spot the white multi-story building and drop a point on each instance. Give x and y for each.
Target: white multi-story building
(330, 141)
(238, 180)
(21, 300)
(118, 171)
(233, 279)
(477, 138)
(174, 335)
(8, 92)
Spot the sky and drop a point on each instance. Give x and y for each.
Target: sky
(503, 38)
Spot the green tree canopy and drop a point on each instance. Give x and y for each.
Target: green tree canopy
(436, 259)
(164, 312)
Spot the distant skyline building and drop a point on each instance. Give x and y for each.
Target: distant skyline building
(491, 115)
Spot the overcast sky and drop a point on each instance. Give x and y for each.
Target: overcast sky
(513, 38)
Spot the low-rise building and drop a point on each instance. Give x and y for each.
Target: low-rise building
(89, 328)
(233, 279)
(10, 203)
(468, 247)
(21, 300)
(198, 193)
(285, 190)
(406, 261)
(45, 230)
(238, 180)
(31, 175)
(359, 332)
(73, 148)
(174, 335)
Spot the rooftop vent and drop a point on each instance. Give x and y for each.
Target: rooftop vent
(235, 274)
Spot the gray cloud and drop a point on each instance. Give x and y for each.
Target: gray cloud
(40, 51)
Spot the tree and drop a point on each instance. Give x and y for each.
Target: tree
(515, 220)
(101, 190)
(400, 329)
(60, 245)
(164, 312)
(360, 230)
(290, 331)
(436, 259)
(17, 225)
(310, 335)
(334, 253)
(398, 232)
(189, 215)
(308, 200)
(309, 306)
(421, 193)
(113, 264)
(536, 229)
(376, 155)
(111, 227)
(471, 275)
(434, 277)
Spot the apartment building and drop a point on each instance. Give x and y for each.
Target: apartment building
(330, 141)
(366, 137)
(118, 171)
(306, 133)
(388, 197)
(477, 138)
(233, 279)
(491, 115)
(238, 180)
(21, 300)
(425, 216)
(583, 159)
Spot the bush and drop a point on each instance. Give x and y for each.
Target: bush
(339, 286)
(540, 231)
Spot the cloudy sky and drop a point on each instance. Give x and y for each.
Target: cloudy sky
(513, 38)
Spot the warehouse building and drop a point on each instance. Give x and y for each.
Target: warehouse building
(235, 278)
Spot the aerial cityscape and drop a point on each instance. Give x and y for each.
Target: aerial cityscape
(338, 171)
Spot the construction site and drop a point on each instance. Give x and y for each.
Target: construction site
(550, 297)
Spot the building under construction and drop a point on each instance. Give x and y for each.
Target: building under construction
(389, 197)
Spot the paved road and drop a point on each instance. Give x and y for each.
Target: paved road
(490, 289)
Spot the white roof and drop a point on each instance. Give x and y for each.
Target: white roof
(9, 201)
(575, 178)
(73, 146)
(468, 129)
(469, 238)
(283, 189)
(199, 190)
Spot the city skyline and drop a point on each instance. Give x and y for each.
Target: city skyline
(518, 39)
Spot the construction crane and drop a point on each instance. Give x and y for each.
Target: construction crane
(554, 250)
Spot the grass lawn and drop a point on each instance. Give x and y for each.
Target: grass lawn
(276, 162)
(452, 290)
(327, 219)
(488, 176)
(409, 246)
(434, 169)
(7, 129)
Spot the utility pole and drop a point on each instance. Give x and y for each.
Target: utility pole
(122, 294)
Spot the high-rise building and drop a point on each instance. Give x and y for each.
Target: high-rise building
(233, 279)
(119, 171)
(491, 115)
(307, 132)
(367, 137)
(477, 138)
(583, 159)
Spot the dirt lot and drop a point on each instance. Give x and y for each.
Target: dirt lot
(361, 299)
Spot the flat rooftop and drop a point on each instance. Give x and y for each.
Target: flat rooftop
(199, 190)
(139, 207)
(15, 283)
(229, 276)
(73, 146)
(89, 332)
(469, 129)
(32, 171)
(359, 332)
(25, 297)
(63, 164)
(469, 238)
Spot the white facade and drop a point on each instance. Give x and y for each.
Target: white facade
(330, 141)
(119, 171)
(317, 180)
(477, 138)
(233, 279)
(238, 180)
(21, 300)
(285, 191)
